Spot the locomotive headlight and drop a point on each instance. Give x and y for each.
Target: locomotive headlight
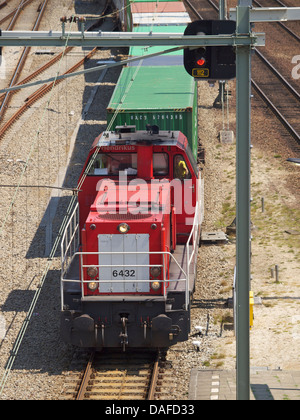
(155, 272)
(92, 285)
(92, 272)
(155, 285)
(123, 228)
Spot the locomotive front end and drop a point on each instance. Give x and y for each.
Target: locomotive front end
(129, 280)
(125, 272)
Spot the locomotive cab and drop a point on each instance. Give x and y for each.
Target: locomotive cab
(132, 272)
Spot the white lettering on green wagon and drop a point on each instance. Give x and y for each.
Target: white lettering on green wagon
(157, 117)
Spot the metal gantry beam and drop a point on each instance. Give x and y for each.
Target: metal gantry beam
(123, 39)
(270, 14)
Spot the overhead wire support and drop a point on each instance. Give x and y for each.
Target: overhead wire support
(124, 39)
(256, 39)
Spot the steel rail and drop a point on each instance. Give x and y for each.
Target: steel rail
(25, 3)
(154, 378)
(41, 69)
(278, 75)
(213, 5)
(112, 376)
(21, 334)
(15, 13)
(41, 92)
(193, 9)
(283, 25)
(86, 378)
(275, 110)
(39, 186)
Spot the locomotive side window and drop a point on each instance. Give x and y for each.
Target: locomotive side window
(180, 169)
(160, 164)
(112, 163)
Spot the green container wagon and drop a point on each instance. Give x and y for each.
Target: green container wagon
(165, 96)
(173, 58)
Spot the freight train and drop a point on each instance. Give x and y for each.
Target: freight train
(129, 250)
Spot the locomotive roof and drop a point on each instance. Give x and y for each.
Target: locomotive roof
(163, 138)
(158, 89)
(148, 137)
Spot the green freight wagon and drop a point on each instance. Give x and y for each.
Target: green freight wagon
(165, 96)
(127, 7)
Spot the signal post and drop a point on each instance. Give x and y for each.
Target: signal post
(223, 63)
(243, 143)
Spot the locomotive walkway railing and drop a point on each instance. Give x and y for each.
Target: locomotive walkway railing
(70, 240)
(166, 282)
(194, 241)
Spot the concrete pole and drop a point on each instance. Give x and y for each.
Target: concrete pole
(243, 85)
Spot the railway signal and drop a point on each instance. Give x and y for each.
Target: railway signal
(199, 60)
(210, 63)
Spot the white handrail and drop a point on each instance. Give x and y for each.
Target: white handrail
(194, 234)
(83, 281)
(73, 216)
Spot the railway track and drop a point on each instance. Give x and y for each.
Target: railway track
(274, 88)
(40, 92)
(13, 14)
(117, 376)
(277, 3)
(35, 95)
(280, 97)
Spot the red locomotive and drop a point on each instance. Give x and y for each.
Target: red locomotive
(130, 249)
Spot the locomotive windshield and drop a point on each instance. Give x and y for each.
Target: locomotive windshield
(160, 164)
(112, 163)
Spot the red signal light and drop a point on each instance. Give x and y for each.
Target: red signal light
(201, 62)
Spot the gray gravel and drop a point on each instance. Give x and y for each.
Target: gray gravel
(41, 363)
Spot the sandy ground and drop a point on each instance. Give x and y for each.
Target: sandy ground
(275, 335)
